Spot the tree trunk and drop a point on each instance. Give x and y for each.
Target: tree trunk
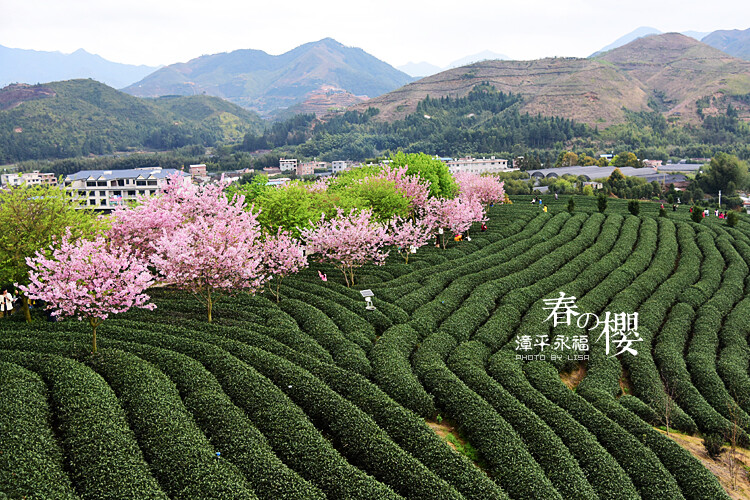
(94, 324)
(278, 285)
(209, 305)
(25, 308)
(346, 277)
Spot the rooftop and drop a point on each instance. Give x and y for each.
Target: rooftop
(135, 173)
(599, 172)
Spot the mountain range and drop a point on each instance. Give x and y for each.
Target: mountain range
(734, 42)
(422, 69)
(641, 32)
(317, 77)
(668, 73)
(34, 66)
(314, 77)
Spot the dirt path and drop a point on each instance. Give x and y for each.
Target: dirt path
(719, 467)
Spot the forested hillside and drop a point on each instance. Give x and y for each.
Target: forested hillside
(488, 121)
(82, 117)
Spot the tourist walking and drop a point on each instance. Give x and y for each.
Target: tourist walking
(6, 303)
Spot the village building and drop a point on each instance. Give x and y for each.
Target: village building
(108, 189)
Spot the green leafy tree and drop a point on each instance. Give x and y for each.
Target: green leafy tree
(571, 205)
(587, 161)
(601, 202)
(294, 206)
(30, 218)
(382, 197)
(430, 169)
(626, 160)
(724, 172)
(616, 181)
(567, 159)
(252, 189)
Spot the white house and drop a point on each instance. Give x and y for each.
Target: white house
(286, 165)
(339, 166)
(478, 165)
(34, 178)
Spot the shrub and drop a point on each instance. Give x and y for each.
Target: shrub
(634, 207)
(507, 459)
(601, 202)
(642, 465)
(571, 205)
(697, 214)
(603, 472)
(28, 444)
(179, 454)
(732, 218)
(346, 353)
(714, 445)
(103, 455)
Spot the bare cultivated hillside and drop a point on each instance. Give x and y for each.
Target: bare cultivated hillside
(668, 73)
(678, 70)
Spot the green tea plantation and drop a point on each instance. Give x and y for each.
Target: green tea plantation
(317, 397)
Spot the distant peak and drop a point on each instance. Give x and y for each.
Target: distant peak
(329, 42)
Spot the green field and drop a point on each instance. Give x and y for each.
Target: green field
(316, 397)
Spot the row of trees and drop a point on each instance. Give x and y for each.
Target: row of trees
(199, 239)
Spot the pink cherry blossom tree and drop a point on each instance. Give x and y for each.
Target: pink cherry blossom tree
(282, 256)
(487, 189)
(455, 215)
(196, 238)
(210, 254)
(348, 241)
(180, 201)
(318, 186)
(89, 279)
(409, 235)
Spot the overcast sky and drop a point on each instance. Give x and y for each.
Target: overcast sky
(158, 32)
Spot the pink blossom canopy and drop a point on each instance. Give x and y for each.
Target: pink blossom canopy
(89, 279)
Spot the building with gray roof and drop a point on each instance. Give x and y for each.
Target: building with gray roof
(109, 189)
(591, 173)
